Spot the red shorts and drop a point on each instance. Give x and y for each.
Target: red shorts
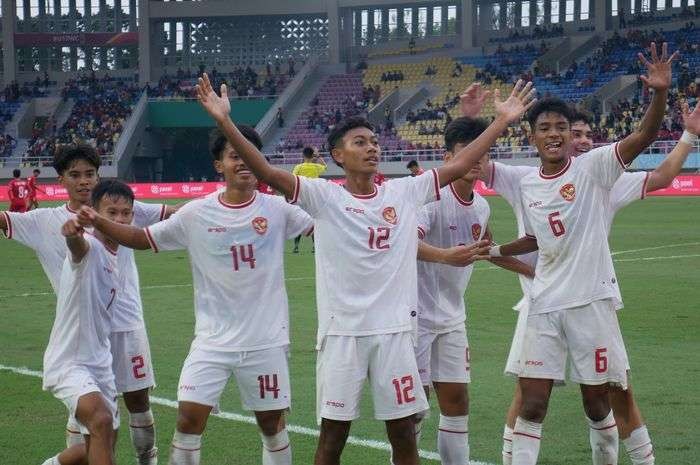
(19, 207)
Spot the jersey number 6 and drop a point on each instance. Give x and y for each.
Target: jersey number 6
(556, 224)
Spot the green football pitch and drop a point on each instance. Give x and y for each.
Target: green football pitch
(656, 245)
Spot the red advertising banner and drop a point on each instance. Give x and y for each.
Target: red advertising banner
(681, 186)
(91, 39)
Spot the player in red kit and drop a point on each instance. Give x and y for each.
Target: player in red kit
(18, 191)
(31, 185)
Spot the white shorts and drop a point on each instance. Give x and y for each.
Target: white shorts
(589, 335)
(262, 377)
(388, 360)
(131, 360)
(513, 364)
(443, 357)
(79, 383)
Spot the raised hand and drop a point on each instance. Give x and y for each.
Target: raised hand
(464, 255)
(691, 121)
(472, 100)
(217, 107)
(86, 216)
(520, 100)
(659, 68)
(72, 228)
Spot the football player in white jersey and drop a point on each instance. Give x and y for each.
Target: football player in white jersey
(366, 248)
(442, 353)
(78, 358)
(574, 312)
(235, 240)
(77, 167)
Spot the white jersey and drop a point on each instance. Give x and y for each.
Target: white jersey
(366, 248)
(236, 253)
(128, 309)
(567, 213)
(450, 222)
(80, 334)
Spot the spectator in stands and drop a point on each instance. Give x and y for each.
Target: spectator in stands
(414, 168)
(412, 46)
(280, 117)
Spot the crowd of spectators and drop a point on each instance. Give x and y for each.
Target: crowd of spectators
(392, 76)
(537, 32)
(644, 18)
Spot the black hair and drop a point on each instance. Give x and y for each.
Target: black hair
(111, 188)
(411, 164)
(217, 140)
(463, 130)
(16, 173)
(342, 128)
(582, 116)
(308, 152)
(68, 154)
(37, 171)
(549, 105)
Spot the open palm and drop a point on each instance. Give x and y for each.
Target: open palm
(520, 100)
(691, 120)
(218, 107)
(659, 68)
(472, 100)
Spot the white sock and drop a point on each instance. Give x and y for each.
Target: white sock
(507, 445)
(52, 461)
(143, 437)
(526, 442)
(604, 440)
(276, 449)
(73, 435)
(186, 449)
(453, 440)
(639, 447)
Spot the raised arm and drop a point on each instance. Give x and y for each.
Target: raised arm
(520, 100)
(664, 174)
(659, 79)
(77, 245)
(219, 109)
(124, 234)
(459, 256)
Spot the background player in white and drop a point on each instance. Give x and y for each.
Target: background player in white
(78, 358)
(40, 229)
(442, 353)
(366, 247)
(235, 240)
(574, 295)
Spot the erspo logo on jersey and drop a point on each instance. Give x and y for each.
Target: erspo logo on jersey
(568, 191)
(389, 215)
(260, 225)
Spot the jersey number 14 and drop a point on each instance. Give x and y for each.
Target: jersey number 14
(243, 254)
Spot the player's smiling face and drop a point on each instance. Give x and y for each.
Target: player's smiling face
(117, 209)
(581, 138)
(359, 151)
(551, 136)
(475, 172)
(79, 180)
(235, 171)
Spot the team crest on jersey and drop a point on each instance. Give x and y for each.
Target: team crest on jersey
(568, 191)
(260, 225)
(389, 215)
(476, 231)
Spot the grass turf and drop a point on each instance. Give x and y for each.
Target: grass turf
(660, 324)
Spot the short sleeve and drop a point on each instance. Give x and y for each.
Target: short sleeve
(26, 228)
(424, 221)
(311, 194)
(505, 180)
(603, 164)
(628, 188)
(421, 190)
(146, 214)
(171, 234)
(298, 222)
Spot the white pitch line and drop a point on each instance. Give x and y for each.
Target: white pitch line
(642, 259)
(655, 248)
(237, 417)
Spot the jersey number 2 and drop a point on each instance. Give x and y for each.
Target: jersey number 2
(243, 253)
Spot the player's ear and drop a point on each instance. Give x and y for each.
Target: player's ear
(337, 155)
(219, 166)
(447, 156)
